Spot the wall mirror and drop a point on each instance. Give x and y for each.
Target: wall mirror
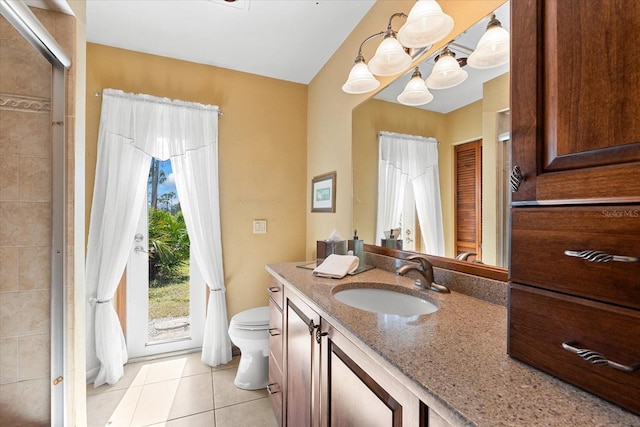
(471, 117)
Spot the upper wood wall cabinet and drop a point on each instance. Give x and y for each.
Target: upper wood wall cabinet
(574, 270)
(575, 100)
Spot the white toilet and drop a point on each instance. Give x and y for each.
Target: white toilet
(249, 331)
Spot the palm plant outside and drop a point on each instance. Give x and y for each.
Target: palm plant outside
(168, 247)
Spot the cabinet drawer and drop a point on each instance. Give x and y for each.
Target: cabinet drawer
(540, 237)
(541, 321)
(276, 292)
(275, 332)
(275, 390)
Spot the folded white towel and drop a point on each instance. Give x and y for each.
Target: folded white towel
(337, 266)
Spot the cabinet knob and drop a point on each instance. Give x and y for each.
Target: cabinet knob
(599, 256)
(274, 332)
(516, 178)
(273, 388)
(319, 334)
(597, 358)
(273, 289)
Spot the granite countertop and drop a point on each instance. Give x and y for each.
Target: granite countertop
(455, 360)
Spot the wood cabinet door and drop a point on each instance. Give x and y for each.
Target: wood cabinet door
(468, 198)
(575, 104)
(356, 391)
(302, 364)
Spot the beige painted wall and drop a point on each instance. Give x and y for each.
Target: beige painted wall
(262, 155)
(329, 121)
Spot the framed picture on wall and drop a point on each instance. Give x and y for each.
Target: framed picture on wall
(323, 193)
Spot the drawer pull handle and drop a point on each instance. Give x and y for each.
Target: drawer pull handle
(597, 358)
(274, 332)
(271, 388)
(273, 289)
(516, 178)
(599, 256)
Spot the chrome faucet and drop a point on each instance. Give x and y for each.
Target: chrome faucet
(426, 271)
(464, 256)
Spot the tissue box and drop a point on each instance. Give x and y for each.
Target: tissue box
(324, 248)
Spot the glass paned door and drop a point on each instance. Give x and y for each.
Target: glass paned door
(165, 290)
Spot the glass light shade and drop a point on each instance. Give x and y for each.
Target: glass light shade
(492, 50)
(425, 25)
(447, 73)
(390, 58)
(360, 80)
(415, 92)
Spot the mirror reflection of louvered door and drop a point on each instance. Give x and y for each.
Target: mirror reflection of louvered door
(468, 199)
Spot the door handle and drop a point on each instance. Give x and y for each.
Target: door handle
(141, 250)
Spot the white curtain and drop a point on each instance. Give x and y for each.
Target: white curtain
(197, 184)
(133, 129)
(410, 160)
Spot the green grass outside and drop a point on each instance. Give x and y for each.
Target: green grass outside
(170, 297)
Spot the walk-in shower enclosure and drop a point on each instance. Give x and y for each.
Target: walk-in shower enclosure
(36, 188)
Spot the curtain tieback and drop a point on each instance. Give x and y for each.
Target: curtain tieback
(223, 290)
(93, 301)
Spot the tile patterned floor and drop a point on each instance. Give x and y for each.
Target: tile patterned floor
(178, 391)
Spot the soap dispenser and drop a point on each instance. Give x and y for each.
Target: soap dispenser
(357, 246)
(392, 241)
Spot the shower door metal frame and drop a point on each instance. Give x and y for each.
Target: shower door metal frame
(18, 14)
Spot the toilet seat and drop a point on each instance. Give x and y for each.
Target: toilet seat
(255, 319)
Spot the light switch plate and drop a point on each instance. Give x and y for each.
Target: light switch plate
(259, 226)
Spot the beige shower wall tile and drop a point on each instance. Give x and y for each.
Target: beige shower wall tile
(10, 37)
(70, 226)
(25, 223)
(25, 134)
(34, 268)
(35, 179)
(33, 357)
(65, 32)
(9, 145)
(70, 309)
(8, 360)
(25, 402)
(24, 313)
(70, 264)
(8, 177)
(47, 18)
(9, 257)
(33, 76)
(70, 135)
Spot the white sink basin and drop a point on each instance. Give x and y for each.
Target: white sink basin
(385, 301)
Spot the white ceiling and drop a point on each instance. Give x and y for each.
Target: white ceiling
(284, 39)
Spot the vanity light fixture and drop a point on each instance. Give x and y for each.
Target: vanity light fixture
(391, 57)
(360, 78)
(415, 92)
(493, 47)
(447, 72)
(426, 24)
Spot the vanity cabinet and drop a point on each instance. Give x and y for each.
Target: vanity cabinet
(574, 271)
(302, 364)
(356, 393)
(275, 386)
(328, 380)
